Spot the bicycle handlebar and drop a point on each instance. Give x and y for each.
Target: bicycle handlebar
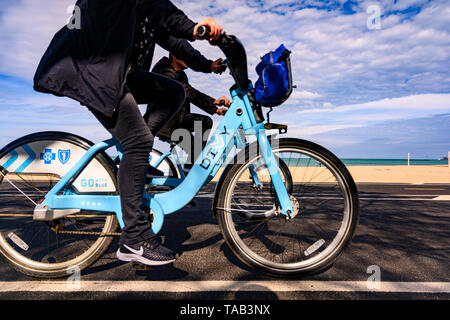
(203, 32)
(234, 52)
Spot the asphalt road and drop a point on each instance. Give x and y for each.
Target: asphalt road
(403, 232)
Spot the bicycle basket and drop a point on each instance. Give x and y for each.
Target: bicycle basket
(274, 85)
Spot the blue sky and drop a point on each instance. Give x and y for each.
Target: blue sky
(361, 92)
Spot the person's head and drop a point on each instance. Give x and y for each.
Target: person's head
(177, 63)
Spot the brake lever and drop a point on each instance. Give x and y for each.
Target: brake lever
(226, 63)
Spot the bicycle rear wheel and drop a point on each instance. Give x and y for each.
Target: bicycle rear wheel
(30, 167)
(325, 202)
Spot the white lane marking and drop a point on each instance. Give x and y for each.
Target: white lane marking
(223, 286)
(442, 198)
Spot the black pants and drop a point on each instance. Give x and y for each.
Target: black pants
(136, 138)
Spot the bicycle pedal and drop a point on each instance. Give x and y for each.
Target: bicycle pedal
(142, 267)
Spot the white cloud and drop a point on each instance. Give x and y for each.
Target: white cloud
(426, 104)
(302, 131)
(318, 121)
(304, 95)
(26, 28)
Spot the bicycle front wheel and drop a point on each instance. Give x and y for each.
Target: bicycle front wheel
(29, 168)
(326, 210)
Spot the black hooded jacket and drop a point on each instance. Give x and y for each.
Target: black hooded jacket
(90, 64)
(201, 100)
(180, 48)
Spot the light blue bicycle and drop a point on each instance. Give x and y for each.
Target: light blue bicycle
(286, 207)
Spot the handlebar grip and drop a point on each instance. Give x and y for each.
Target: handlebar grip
(203, 32)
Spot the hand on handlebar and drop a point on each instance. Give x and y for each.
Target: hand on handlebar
(222, 101)
(214, 27)
(221, 111)
(218, 66)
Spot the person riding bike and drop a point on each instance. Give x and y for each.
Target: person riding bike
(92, 65)
(137, 77)
(173, 68)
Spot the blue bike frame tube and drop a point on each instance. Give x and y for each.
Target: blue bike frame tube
(274, 171)
(206, 165)
(254, 176)
(87, 202)
(171, 182)
(103, 203)
(161, 159)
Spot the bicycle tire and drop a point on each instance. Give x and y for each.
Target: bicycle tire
(239, 241)
(14, 256)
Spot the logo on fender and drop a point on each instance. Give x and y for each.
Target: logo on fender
(94, 183)
(48, 156)
(63, 156)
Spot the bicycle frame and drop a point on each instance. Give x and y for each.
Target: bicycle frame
(174, 182)
(239, 116)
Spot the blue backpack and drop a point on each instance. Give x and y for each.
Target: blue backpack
(274, 84)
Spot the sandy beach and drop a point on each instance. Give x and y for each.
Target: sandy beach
(401, 174)
(418, 174)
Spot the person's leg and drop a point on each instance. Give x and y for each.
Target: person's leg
(163, 95)
(130, 129)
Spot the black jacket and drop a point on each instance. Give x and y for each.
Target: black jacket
(180, 48)
(90, 64)
(201, 100)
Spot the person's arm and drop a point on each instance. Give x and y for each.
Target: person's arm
(183, 50)
(205, 102)
(168, 16)
(201, 100)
